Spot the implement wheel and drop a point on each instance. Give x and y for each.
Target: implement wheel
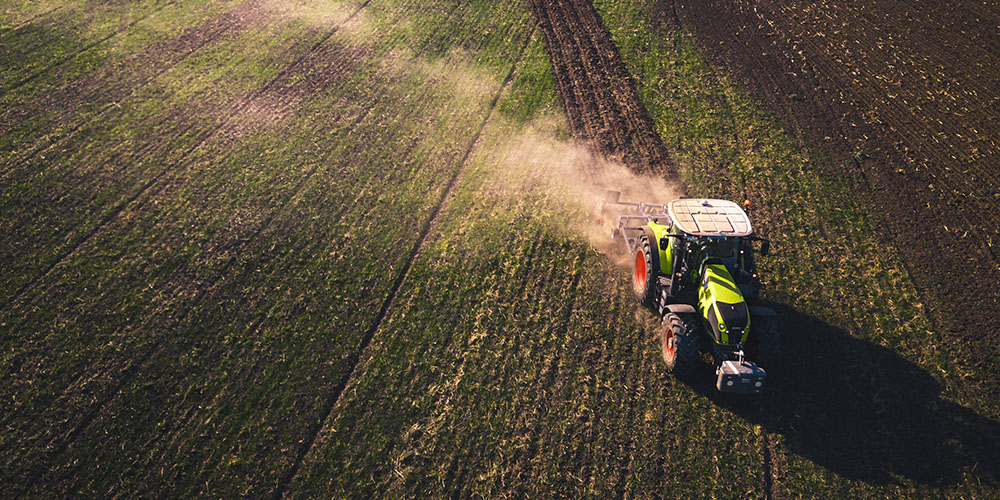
(679, 342)
(644, 264)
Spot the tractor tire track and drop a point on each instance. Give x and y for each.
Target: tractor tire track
(157, 351)
(28, 79)
(422, 238)
(160, 350)
(596, 89)
(227, 121)
(590, 78)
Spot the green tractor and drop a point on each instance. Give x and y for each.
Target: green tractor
(693, 264)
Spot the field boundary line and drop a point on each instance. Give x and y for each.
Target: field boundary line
(425, 231)
(234, 112)
(66, 58)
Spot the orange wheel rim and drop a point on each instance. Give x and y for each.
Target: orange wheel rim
(640, 270)
(668, 341)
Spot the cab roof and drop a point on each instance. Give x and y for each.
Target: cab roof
(701, 217)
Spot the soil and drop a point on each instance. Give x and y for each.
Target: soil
(898, 96)
(597, 91)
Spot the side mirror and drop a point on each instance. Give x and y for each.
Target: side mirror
(765, 248)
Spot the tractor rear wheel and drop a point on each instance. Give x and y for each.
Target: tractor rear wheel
(764, 343)
(644, 272)
(679, 342)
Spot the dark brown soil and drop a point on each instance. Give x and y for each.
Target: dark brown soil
(899, 96)
(597, 92)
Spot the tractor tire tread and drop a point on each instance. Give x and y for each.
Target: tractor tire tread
(686, 349)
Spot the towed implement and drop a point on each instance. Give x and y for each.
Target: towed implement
(693, 264)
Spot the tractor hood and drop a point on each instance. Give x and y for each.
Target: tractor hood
(721, 305)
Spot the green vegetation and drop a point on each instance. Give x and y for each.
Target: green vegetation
(284, 249)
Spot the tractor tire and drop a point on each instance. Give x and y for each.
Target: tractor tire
(764, 343)
(644, 271)
(679, 342)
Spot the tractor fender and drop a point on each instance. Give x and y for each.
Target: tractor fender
(764, 312)
(680, 308)
(654, 250)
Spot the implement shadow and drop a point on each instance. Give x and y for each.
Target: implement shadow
(862, 411)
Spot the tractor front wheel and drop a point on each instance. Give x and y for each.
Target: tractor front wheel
(644, 272)
(679, 342)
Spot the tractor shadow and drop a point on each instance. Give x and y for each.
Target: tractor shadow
(862, 411)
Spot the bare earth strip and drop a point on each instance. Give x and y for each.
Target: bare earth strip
(860, 431)
(598, 94)
(344, 278)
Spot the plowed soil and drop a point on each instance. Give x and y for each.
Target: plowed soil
(597, 92)
(900, 97)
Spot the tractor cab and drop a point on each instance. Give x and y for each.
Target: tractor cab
(708, 232)
(714, 229)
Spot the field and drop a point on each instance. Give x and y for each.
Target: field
(347, 248)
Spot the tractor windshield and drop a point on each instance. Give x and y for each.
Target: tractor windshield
(721, 248)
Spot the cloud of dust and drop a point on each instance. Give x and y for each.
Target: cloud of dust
(314, 13)
(452, 74)
(565, 178)
(538, 163)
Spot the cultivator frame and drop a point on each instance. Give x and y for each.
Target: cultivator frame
(644, 212)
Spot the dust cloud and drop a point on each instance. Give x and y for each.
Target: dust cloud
(563, 181)
(314, 13)
(575, 182)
